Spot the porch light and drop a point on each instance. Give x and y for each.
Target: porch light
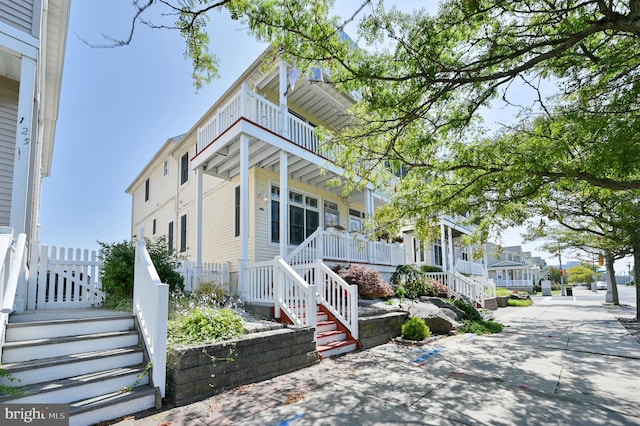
(262, 196)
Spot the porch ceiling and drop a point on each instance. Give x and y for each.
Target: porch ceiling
(225, 164)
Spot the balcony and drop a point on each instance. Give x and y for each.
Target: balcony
(262, 112)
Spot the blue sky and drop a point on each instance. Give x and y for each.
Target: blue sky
(118, 106)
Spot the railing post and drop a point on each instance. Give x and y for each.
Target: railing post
(34, 269)
(320, 255)
(277, 286)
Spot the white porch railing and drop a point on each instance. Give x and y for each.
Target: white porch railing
(340, 298)
(513, 283)
(261, 111)
(346, 247)
(467, 267)
(151, 307)
(66, 279)
(213, 272)
(13, 273)
(474, 288)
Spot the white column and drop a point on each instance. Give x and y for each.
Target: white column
(451, 251)
(24, 142)
(244, 215)
(199, 192)
(443, 248)
(284, 109)
(284, 205)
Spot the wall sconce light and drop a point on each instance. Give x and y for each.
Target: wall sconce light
(263, 197)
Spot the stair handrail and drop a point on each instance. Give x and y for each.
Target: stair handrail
(340, 298)
(294, 295)
(13, 266)
(469, 288)
(151, 307)
(308, 250)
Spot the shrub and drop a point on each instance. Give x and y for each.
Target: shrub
(430, 268)
(481, 327)
(205, 325)
(470, 312)
(119, 265)
(415, 329)
(370, 284)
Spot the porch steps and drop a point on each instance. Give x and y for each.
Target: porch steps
(96, 365)
(332, 339)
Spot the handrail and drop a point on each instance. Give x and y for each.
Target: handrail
(294, 296)
(308, 250)
(338, 297)
(151, 306)
(17, 267)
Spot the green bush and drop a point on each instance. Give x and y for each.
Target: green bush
(470, 312)
(203, 325)
(415, 329)
(119, 265)
(430, 268)
(481, 327)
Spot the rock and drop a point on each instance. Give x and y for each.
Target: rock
(437, 320)
(520, 296)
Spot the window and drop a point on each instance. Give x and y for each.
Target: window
(331, 214)
(236, 205)
(183, 233)
(146, 190)
(165, 169)
(355, 220)
(170, 237)
(418, 250)
(437, 253)
(304, 216)
(184, 168)
(154, 227)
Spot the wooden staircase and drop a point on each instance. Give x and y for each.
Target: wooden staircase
(96, 365)
(332, 338)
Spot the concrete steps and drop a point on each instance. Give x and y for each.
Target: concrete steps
(96, 365)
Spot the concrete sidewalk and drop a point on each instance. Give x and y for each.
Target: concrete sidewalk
(561, 361)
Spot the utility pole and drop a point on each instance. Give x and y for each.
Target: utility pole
(562, 292)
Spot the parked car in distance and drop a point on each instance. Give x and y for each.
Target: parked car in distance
(601, 285)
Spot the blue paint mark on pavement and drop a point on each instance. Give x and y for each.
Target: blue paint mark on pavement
(426, 354)
(292, 419)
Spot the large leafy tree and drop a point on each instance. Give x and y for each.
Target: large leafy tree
(425, 80)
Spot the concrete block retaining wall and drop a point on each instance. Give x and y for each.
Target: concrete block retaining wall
(199, 372)
(380, 329)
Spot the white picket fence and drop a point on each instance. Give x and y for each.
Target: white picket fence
(66, 279)
(216, 273)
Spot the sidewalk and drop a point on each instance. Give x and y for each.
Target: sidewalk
(561, 361)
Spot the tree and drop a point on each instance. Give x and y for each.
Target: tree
(581, 274)
(425, 81)
(118, 267)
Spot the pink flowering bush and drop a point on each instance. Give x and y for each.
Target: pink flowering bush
(370, 284)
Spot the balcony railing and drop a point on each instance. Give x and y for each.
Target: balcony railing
(258, 109)
(513, 283)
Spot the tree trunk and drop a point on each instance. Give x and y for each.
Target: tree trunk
(611, 275)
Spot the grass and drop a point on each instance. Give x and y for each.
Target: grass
(520, 302)
(501, 291)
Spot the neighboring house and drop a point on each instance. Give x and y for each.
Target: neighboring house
(511, 267)
(248, 185)
(244, 184)
(33, 36)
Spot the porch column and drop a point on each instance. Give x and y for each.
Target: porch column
(284, 109)
(243, 285)
(443, 248)
(284, 205)
(368, 210)
(451, 248)
(19, 216)
(199, 192)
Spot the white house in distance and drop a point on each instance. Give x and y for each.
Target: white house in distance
(513, 268)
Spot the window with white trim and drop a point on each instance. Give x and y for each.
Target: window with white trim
(304, 216)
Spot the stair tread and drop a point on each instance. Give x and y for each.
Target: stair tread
(65, 339)
(336, 344)
(107, 399)
(68, 321)
(65, 359)
(70, 382)
(330, 333)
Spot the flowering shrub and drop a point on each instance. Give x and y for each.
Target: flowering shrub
(370, 284)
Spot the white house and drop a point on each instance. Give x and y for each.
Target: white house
(512, 267)
(33, 36)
